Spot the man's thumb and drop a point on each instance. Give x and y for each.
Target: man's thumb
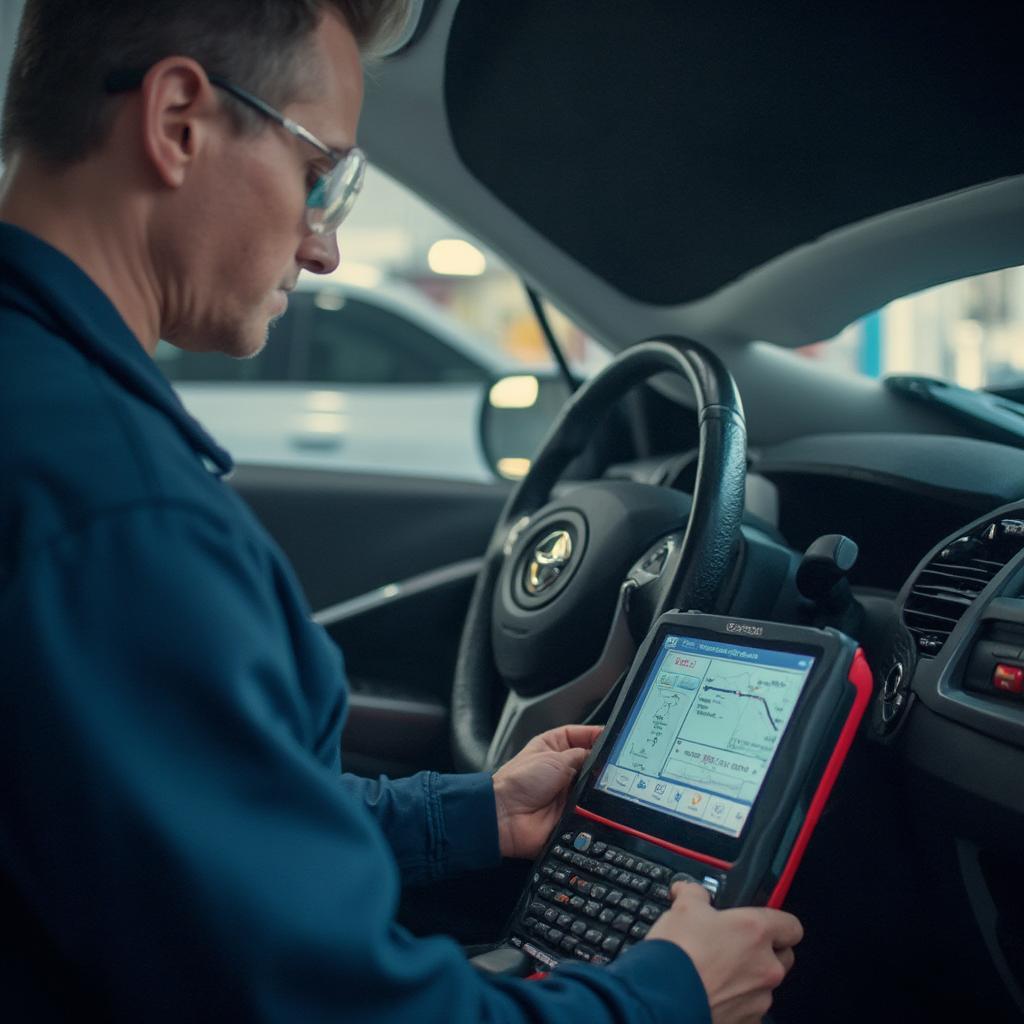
(573, 758)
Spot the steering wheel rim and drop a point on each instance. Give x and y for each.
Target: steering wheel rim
(701, 563)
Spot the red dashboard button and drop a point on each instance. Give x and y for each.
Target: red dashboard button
(1008, 678)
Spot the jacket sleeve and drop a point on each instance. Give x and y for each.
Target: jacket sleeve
(437, 825)
(174, 830)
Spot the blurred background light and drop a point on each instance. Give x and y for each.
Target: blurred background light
(457, 258)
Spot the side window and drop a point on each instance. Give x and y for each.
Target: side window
(359, 343)
(969, 332)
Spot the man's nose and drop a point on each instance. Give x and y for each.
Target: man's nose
(319, 253)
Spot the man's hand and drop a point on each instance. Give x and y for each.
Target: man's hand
(741, 955)
(530, 790)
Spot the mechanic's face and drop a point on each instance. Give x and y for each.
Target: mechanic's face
(251, 239)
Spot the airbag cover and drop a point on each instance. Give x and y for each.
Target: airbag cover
(548, 633)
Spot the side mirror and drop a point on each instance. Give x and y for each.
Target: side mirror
(516, 416)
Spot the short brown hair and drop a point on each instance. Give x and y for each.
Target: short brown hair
(56, 104)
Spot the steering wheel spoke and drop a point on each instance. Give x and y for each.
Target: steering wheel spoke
(523, 717)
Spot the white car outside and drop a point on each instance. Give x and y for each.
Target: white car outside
(375, 380)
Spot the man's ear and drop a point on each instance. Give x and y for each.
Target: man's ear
(177, 103)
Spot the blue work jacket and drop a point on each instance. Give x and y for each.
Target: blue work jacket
(177, 840)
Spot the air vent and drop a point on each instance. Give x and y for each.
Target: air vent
(949, 584)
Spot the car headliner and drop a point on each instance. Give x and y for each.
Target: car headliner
(728, 171)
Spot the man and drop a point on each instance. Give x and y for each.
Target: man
(177, 842)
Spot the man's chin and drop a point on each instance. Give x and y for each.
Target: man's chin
(247, 344)
(253, 340)
(258, 342)
(239, 340)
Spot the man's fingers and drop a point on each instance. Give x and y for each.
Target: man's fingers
(690, 892)
(582, 736)
(786, 958)
(565, 737)
(785, 928)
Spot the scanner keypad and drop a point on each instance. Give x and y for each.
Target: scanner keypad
(592, 900)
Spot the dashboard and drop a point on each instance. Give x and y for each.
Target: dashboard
(939, 523)
(938, 605)
(939, 588)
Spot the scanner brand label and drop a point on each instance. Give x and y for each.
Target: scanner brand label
(744, 628)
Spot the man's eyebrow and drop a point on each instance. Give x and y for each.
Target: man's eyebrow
(332, 143)
(332, 135)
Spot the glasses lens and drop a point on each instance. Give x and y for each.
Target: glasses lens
(334, 195)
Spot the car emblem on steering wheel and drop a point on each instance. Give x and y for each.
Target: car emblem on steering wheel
(550, 557)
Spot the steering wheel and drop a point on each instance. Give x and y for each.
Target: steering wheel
(568, 586)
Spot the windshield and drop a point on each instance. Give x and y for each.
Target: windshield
(968, 332)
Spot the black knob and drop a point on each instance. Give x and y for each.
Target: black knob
(1006, 534)
(959, 550)
(824, 567)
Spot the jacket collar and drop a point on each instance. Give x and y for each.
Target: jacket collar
(49, 287)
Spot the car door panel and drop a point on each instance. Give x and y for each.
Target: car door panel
(388, 564)
(400, 645)
(347, 534)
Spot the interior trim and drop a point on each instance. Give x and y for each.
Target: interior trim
(986, 916)
(393, 592)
